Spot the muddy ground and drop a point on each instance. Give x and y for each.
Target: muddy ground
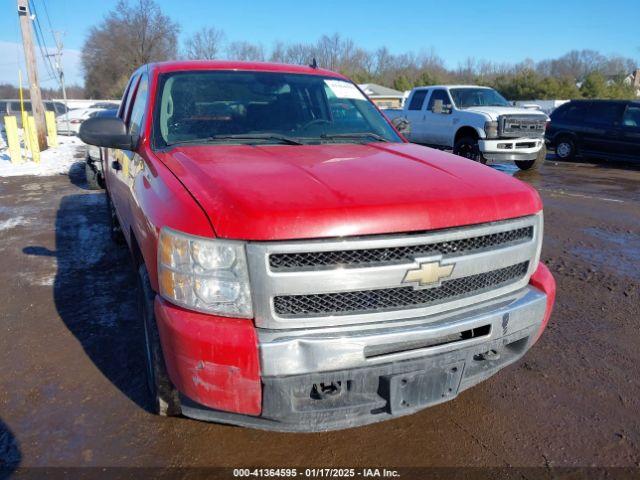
(71, 365)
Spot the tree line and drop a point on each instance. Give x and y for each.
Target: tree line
(8, 90)
(136, 33)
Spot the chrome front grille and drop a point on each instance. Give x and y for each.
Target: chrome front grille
(393, 255)
(342, 281)
(522, 126)
(402, 298)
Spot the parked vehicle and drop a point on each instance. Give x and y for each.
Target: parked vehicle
(11, 107)
(106, 105)
(598, 128)
(93, 161)
(71, 126)
(300, 266)
(476, 122)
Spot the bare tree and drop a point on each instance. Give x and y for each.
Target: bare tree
(129, 36)
(245, 51)
(205, 44)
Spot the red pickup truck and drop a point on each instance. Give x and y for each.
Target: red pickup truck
(300, 265)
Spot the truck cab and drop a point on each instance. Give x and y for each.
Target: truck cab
(475, 122)
(300, 266)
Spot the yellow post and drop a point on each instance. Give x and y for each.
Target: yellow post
(11, 127)
(24, 115)
(33, 140)
(52, 133)
(25, 131)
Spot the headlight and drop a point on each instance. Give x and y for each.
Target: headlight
(491, 129)
(204, 274)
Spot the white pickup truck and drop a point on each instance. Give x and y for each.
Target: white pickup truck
(476, 122)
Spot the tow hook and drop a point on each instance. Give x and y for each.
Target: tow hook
(488, 355)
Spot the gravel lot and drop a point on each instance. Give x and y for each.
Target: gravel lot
(71, 371)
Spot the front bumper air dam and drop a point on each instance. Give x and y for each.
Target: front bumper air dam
(508, 149)
(300, 395)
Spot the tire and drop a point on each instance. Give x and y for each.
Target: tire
(533, 164)
(467, 147)
(163, 396)
(93, 182)
(115, 230)
(565, 148)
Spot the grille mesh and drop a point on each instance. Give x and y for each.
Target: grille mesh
(368, 301)
(522, 126)
(394, 255)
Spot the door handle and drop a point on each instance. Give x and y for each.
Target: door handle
(116, 165)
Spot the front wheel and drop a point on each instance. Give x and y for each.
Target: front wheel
(467, 147)
(93, 181)
(535, 163)
(163, 396)
(565, 149)
(114, 224)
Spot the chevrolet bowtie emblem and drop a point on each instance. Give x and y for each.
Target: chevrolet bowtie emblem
(429, 274)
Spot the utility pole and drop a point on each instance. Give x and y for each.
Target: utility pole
(34, 87)
(58, 65)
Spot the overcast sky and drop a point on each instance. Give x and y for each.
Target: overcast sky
(501, 31)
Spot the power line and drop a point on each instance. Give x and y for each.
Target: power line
(40, 40)
(46, 12)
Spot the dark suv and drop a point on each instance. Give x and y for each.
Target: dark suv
(596, 128)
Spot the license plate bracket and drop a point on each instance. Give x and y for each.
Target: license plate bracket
(419, 389)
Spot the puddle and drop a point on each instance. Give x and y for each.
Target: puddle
(508, 168)
(621, 251)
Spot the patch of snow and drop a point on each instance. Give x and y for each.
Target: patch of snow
(12, 222)
(52, 161)
(46, 281)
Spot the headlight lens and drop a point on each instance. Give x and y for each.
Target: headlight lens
(491, 129)
(204, 274)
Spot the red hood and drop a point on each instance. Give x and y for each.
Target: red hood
(279, 192)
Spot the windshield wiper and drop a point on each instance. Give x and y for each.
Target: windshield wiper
(372, 135)
(241, 136)
(258, 136)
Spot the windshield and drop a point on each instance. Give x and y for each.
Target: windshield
(477, 97)
(264, 107)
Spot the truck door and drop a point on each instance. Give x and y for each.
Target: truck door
(132, 163)
(415, 115)
(118, 162)
(630, 146)
(438, 121)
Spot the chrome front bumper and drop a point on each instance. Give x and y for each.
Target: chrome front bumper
(510, 148)
(326, 381)
(296, 352)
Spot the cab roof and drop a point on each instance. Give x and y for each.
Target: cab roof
(193, 65)
(453, 86)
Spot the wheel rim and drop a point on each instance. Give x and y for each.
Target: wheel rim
(563, 149)
(469, 151)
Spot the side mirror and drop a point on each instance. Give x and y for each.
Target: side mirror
(402, 125)
(110, 132)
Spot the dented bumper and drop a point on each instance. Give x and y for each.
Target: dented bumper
(333, 380)
(213, 360)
